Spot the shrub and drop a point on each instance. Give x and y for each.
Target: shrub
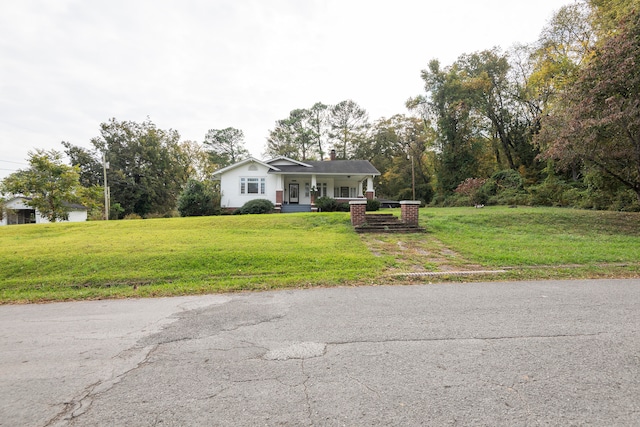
(327, 204)
(132, 216)
(257, 206)
(373, 205)
(196, 200)
(470, 187)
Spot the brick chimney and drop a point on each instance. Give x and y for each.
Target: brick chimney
(332, 156)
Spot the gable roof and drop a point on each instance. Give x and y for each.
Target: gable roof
(283, 160)
(244, 162)
(333, 167)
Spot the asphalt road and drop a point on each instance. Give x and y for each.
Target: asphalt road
(512, 354)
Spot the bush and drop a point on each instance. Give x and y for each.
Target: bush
(373, 205)
(257, 206)
(470, 188)
(196, 200)
(327, 204)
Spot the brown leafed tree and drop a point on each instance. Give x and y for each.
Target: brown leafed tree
(598, 119)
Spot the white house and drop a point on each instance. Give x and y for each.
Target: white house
(16, 211)
(289, 184)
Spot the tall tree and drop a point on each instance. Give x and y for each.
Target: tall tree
(399, 147)
(349, 123)
(200, 166)
(226, 146)
(318, 121)
(598, 120)
(147, 166)
(294, 136)
(49, 183)
(448, 105)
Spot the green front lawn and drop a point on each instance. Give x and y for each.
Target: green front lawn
(179, 256)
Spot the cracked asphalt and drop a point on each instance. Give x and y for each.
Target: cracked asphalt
(516, 354)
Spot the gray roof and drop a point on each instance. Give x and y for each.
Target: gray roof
(343, 167)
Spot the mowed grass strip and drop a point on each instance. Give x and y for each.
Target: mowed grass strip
(180, 256)
(524, 236)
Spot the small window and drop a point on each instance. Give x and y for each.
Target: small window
(253, 168)
(306, 189)
(344, 192)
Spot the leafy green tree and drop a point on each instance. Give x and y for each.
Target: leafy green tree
(226, 146)
(607, 14)
(147, 166)
(598, 119)
(394, 144)
(200, 166)
(348, 123)
(294, 137)
(447, 103)
(88, 162)
(197, 199)
(48, 182)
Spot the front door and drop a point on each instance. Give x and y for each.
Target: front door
(294, 193)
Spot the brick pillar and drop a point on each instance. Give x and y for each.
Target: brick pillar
(357, 209)
(369, 194)
(409, 211)
(279, 199)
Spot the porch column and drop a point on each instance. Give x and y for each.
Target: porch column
(371, 193)
(359, 188)
(314, 185)
(279, 193)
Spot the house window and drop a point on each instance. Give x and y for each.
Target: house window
(344, 192)
(252, 185)
(322, 189)
(306, 189)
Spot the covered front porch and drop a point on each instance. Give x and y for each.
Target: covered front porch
(298, 192)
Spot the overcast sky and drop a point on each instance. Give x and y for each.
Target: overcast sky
(68, 65)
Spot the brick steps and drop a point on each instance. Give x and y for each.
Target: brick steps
(386, 223)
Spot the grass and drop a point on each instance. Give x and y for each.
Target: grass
(180, 256)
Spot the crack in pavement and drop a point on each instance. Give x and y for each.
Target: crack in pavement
(514, 337)
(83, 401)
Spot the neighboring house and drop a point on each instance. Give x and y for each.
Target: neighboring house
(16, 211)
(290, 184)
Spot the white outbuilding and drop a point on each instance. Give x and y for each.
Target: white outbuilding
(17, 211)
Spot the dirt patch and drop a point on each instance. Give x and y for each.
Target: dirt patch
(416, 253)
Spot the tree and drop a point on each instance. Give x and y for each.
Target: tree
(607, 14)
(200, 166)
(48, 182)
(447, 105)
(318, 121)
(147, 169)
(393, 146)
(348, 123)
(294, 136)
(197, 200)
(598, 121)
(226, 146)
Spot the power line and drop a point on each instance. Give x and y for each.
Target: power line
(17, 163)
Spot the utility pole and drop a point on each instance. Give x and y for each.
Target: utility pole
(105, 166)
(413, 179)
(413, 176)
